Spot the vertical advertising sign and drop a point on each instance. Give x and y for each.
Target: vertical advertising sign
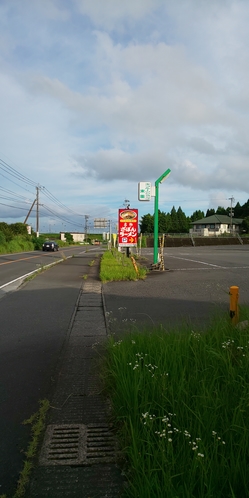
(127, 227)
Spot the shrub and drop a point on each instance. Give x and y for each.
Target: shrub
(2, 238)
(69, 238)
(37, 242)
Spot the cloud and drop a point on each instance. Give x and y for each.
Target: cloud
(106, 14)
(112, 93)
(229, 174)
(115, 164)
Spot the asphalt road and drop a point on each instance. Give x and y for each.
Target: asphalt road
(13, 266)
(193, 289)
(35, 321)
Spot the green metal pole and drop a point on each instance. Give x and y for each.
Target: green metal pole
(159, 180)
(156, 224)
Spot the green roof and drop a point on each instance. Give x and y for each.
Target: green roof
(217, 218)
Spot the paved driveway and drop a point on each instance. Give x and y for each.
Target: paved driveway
(193, 289)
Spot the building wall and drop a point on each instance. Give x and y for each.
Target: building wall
(217, 229)
(77, 237)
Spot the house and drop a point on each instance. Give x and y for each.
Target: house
(77, 236)
(216, 224)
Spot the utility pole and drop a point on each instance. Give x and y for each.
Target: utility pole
(37, 211)
(26, 219)
(110, 230)
(86, 227)
(231, 213)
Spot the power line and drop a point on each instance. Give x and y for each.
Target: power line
(15, 183)
(13, 193)
(11, 199)
(15, 207)
(60, 216)
(9, 170)
(56, 201)
(13, 172)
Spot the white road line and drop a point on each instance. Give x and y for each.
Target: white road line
(32, 272)
(196, 261)
(217, 268)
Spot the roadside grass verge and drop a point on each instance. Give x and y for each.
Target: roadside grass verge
(18, 244)
(115, 265)
(37, 423)
(181, 408)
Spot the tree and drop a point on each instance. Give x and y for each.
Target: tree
(183, 221)
(147, 224)
(5, 228)
(19, 229)
(174, 220)
(197, 215)
(237, 210)
(163, 222)
(221, 210)
(69, 238)
(245, 210)
(2, 238)
(245, 224)
(210, 212)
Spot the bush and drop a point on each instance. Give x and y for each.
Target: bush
(69, 238)
(37, 242)
(19, 244)
(2, 239)
(5, 228)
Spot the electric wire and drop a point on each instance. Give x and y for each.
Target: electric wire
(56, 201)
(9, 170)
(13, 193)
(15, 207)
(13, 172)
(60, 217)
(12, 181)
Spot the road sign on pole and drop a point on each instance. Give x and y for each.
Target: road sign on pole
(100, 222)
(144, 191)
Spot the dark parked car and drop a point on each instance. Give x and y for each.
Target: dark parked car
(50, 245)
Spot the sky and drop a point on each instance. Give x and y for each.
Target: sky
(97, 96)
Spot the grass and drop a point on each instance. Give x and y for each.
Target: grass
(116, 266)
(18, 244)
(37, 423)
(181, 407)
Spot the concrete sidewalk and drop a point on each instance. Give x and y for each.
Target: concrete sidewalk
(79, 454)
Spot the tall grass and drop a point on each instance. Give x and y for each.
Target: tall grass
(181, 406)
(18, 244)
(115, 265)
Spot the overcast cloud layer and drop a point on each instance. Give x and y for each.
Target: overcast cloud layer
(97, 96)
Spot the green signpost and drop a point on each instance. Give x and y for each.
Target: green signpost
(159, 180)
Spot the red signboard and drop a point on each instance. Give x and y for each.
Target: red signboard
(127, 227)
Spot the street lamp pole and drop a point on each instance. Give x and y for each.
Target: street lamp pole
(159, 180)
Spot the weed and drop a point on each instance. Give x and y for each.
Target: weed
(180, 401)
(37, 422)
(63, 256)
(116, 266)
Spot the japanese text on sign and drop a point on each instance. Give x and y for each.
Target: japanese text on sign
(128, 227)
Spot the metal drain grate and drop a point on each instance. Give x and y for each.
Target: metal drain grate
(78, 444)
(101, 444)
(64, 445)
